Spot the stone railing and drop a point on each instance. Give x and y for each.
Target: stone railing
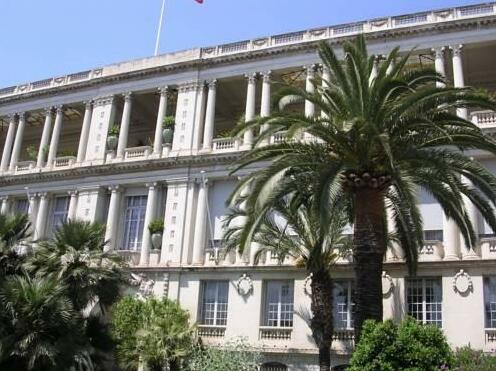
(275, 333)
(278, 138)
(130, 257)
(25, 166)
(292, 38)
(211, 331)
(137, 152)
(488, 248)
(343, 335)
(484, 119)
(64, 161)
(225, 144)
(431, 251)
(490, 339)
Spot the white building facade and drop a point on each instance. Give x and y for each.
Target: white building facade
(57, 163)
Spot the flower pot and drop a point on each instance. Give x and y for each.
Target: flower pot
(156, 241)
(168, 136)
(112, 141)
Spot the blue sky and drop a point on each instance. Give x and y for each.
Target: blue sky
(45, 38)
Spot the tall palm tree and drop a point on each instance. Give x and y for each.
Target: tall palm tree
(291, 228)
(13, 232)
(378, 139)
(40, 328)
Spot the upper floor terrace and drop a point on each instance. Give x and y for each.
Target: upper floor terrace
(64, 123)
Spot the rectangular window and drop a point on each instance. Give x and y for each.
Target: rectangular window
(424, 300)
(134, 222)
(278, 308)
(433, 235)
(490, 301)
(214, 298)
(343, 304)
(21, 206)
(60, 211)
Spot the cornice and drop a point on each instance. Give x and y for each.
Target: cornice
(388, 35)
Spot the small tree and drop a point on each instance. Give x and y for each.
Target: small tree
(234, 355)
(468, 359)
(409, 346)
(152, 331)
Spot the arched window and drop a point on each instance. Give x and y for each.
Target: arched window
(274, 366)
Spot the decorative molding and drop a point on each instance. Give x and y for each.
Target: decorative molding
(307, 285)
(145, 286)
(462, 282)
(251, 77)
(457, 50)
(103, 101)
(266, 76)
(387, 284)
(439, 52)
(244, 285)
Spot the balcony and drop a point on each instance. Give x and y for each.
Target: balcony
(275, 333)
(137, 153)
(220, 145)
(484, 119)
(488, 248)
(25, 166)
(343, 340)
(63, 162)
(208, 331)
(490, 339)
(432, 250)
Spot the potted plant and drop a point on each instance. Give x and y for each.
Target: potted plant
(156, 228)
(168, 125)
(113, 137)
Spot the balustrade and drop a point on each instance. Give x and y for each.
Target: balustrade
(137, 152)
(64, 161)
(275, 333)
(226, 144)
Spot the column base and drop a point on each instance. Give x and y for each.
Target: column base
(471, 255)
(451, 258)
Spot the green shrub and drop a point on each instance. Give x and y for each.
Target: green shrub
(468, 359)
(234, 355)
(156, 226)
(114, 130)
(152, 331)
(169, 122)
(409, 346)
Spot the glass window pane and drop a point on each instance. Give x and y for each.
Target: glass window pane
(214, 303)
(134, 222)
(490, 301)
(279, 299)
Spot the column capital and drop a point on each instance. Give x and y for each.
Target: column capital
(266, 76)
(310, 69)
(438, 51)
(43, 195)
(73, 192)
(21, 115)
(127, 96)
(12, 118)
(456, 49)
(251, 77)
(48, 111)
(88, 104)
(60, 109)
(115, 188)
(4, 198)
(152, 185)
(102, 101)
(212, 84)
(164, 91)
(33, 197)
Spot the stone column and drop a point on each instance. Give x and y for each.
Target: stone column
(439, 63)
(85, 131)
(326, 77)
(54, 142)
(451, 239)
(251, 92)
(265, 102)
(375, 69)
(71, 212)
(125, 122)
(45, 137)
(208, 131)
(458, 78)
(5, 208)
(9, 141)
(150, 214)
(41, 218)
(33, 210)
(162, 111)
(200, 242)
(113, 218)
(470, 254)
(16, 150)
(310, 88)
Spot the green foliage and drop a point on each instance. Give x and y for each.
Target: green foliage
(234, 355)
(468, 359)
(156, 226)
(154, 331)
(13, 231)
(32, 152)
(114, 130)
(409, 346)
(169, 122)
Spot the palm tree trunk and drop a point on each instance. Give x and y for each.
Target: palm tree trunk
(321, 323)
(369, 246)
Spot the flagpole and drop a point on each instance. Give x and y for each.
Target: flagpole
(159, 31)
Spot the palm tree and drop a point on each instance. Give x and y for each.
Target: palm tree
(291, 228)
(40, 328)
(13, 233)
(378, 139)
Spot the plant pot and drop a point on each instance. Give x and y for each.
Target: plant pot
(156, 241)
(168, 136)
(112, 141)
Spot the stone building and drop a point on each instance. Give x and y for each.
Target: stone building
(56, 164)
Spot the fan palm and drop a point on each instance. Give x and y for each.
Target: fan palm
(13, 232)
(291, 228)
(378, 139)
(40, 328)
